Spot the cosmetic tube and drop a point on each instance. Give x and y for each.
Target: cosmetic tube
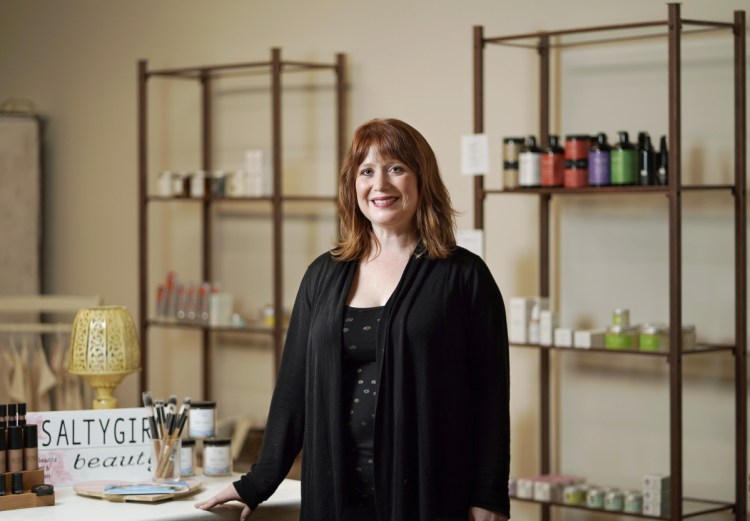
(30, 448)
(2, 453)
(3, 489)
(12, 420)
(21, 415)
(3, 414)
(16, 483)
(15, 450)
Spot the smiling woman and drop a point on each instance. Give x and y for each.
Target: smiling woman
(394, 378)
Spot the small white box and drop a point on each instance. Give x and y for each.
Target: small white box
(518, 319)
(525, 488)
(259, 173)
(220, 306)
(656, 509)
(563, 337)
(547, 325)
(588, 338)
(656, 496)
(547, 490)
(656, 482)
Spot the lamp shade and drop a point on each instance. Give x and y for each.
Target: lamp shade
(104, 349)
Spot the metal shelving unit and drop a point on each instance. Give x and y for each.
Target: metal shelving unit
(543, 42)
(275, 68)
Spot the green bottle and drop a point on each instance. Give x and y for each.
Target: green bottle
(624, 167)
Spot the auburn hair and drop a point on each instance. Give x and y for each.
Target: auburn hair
(435, 217)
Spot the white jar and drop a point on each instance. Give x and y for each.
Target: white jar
(187, 458)
(217, 457)
(202, 420)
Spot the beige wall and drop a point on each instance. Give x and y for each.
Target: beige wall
(76, 61)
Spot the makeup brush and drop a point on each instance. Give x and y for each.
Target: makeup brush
(148, 403)
(159, 404)
(171, 409)
(183, 415)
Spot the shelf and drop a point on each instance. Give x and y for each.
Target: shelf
(630, 189)
(690, 507)
(248, 329)
(701, 349)
(259, 198)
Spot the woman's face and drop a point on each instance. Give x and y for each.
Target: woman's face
(387, 193)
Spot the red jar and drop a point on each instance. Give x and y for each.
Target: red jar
(553, 163)
(576, 176)
(577, 147)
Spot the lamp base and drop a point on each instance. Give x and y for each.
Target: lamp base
(104, 399)
(104, 384)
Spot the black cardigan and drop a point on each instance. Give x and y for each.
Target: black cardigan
(442, 431)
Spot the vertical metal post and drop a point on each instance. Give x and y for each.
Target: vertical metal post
(142, 228)
(740, 265)
(675, 261)
(340, 109)
(478, 120)
(277, 258)
(208, 224)
(544, 269)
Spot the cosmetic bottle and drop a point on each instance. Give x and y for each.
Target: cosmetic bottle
(3, 416)
(30, 447)
(21, 415)
(3, 486)
(2, 454)
(529, 162)
(662, 171)
(16, 483)
(511, 150)
(623, 161)
(599, 161)
(15, 450)
(646, 165)
(553, 163)
(12, 419)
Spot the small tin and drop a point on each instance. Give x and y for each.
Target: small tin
(621, 337)
(202, 420)
(198, 184)
(574, 495)
(595, 497)
(613, 500)
(217, 457)
(633, 502)
(653, 337)
(621, 317)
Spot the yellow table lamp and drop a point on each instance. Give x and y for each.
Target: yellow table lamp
(104, 349)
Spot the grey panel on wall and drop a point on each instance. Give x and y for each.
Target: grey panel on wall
(20, 205)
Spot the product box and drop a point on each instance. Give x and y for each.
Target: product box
(656, 496)
(656, 509)
(563, 337)
(259, 173)
(525, 488)
(656, 482)
(547, 325)
(588, 338)
(518, 319)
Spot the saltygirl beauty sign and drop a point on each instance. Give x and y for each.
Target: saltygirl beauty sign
(88, 445)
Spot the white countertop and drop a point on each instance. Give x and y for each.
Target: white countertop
(69, 506)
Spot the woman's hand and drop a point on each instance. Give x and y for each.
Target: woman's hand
(480, 514)
(228, 494)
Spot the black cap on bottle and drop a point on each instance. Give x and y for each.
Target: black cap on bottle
(30, 439)
(15, 437)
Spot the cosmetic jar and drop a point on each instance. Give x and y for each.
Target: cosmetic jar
(198, 184)
(553, 163)
(187, 458)
(576, 174)
(511, 151)
(218, 184)
(574, 495)
(2, 451)
(595, 497)
(217, 457)
(621, 317)
(613, 500)
(577, 147)
(202, 420)
(621, 337)
(632, 502)
(164, 183)
(30, 447)
(653, 337)
(180, 185)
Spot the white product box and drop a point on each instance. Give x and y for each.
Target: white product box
(656, 496)
(656, 509)
(656, 482)
(259, 172)
(563, 337)
(518, 319)
(547, 325)
(547, 491)
(525, 488)
(588, 338)
(220, 309)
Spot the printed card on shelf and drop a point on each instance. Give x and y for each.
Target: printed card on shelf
(475, 154)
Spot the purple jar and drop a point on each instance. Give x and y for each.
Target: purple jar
(599, 162)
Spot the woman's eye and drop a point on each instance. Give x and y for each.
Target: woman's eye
(397, 169)
(366, 172)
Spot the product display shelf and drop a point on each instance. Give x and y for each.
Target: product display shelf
(691, 507)
(274, 68)
(699, 349)
(674, 28)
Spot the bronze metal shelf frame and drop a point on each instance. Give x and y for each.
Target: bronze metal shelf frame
(275, 67)
(674, 28)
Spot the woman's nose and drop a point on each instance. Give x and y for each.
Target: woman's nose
(380, 180)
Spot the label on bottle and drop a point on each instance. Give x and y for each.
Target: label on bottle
(599, 168)
(529, 173)
(217, 460)
(623, 167)
(202, 423)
